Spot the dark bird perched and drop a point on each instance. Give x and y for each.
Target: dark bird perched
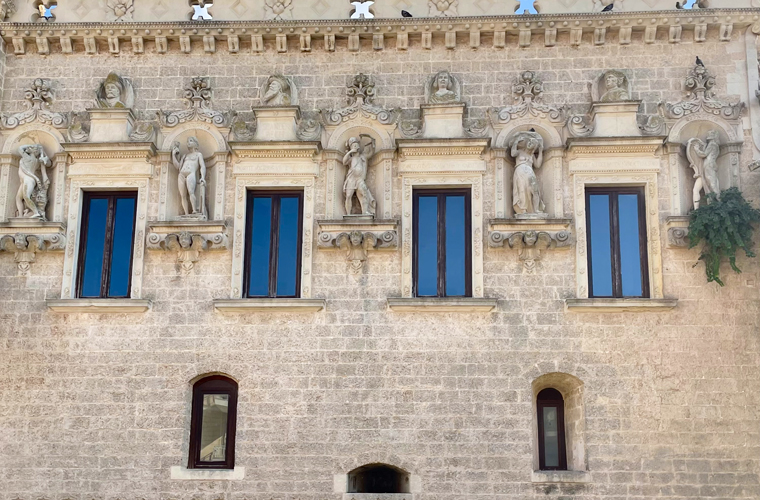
(608, 8)
(699, 62)
(405, 14)
(678, 5)
(532, 129)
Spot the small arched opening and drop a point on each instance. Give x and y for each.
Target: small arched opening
(378, 478)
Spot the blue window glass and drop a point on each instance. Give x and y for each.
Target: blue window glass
(601, 246)
(427, 246)
(630, 250)
(617, 234)
(107, 242)
(273, 244)
(456, 246)
(442, 259)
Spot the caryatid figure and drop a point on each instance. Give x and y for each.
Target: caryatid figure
(527, 150)
(357, 160)
(31, 198)
(192, 177)
(703, 159)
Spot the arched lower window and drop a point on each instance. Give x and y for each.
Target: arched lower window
(212, 425)
(378, 478)
(551, 430)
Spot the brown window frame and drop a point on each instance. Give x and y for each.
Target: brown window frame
(105, 280)
(214, 384)
(276, 195)
(441, 219)
(560, 406)
(617, 278)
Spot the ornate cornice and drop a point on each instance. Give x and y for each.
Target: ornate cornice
(601, 25)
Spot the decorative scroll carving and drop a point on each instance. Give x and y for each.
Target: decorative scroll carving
(361, 97)
(309, 129)
(279, 90)
(115, 92)
(701, 97)
(678, 236)
(528, 95)
(411, 129)
(530, 244)
(198, 104)
(39, 97)
(120, 10)
(580, 125)
(7, 9)
(188, 245)
(26, 246)
(443, 88)
(443, 8)
(144, 132)
(476, 127)
(79, 126)
(241, 130)
(356, 244)
(652, 124)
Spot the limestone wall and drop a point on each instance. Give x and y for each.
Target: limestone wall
(97, 406)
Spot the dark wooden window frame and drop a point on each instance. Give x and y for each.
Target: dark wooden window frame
(105, 280)
(617, 279)
(215, 384)
(560, 406)
(441, 194)
(273, 241)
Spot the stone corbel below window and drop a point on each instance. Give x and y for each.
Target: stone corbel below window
(25, 237)
(530, 237)
(357, 237)
(188, 238)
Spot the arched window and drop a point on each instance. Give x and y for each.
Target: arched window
(378, 478)
(212, 425)
(551, 430)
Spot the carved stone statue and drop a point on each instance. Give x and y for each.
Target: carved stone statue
(356, 244)
(615, 87)
(279, 91)
(443, 88)
(357, 160)
(32, 197)
(703, 159)
(527, 150)
(115, 92)
(191, 179)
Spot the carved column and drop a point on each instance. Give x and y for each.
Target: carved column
(502, 195)
(8, 186)
(553, 190)
(679, 206)
(336, 172)
(164, 161)
(382, 165)
(60, 160)
(215, 200)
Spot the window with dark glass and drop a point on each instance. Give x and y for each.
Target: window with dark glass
(617, 242)
(442, 250)
(273, 242)
(212, 425)
(105, 258)
(550, 407)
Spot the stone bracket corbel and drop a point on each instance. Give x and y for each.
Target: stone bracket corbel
(356, 236)
(28, 239)
(530, 237)
(677, 227)
(189, 239)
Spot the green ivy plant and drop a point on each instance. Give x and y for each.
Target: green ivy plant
(725, 225)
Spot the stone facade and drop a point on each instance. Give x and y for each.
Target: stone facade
(662, 395)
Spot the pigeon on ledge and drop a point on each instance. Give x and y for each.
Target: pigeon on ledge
(608, 8)
(699, 62)
(405, 14)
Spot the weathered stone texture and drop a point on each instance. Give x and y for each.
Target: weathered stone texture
(97, 407)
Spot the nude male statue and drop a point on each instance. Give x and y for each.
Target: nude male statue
(31, 198)
(192, 177)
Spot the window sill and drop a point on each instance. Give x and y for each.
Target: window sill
(183, 474)
(619, 305)
(269, 305)
(441, 304)
(560, 476)
(99, 306)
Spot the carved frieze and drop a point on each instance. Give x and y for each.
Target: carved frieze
(360, 96)
(700, 96)
(357, 238)
(39, 96)
(530, 238)
(198, 96)
(188, 240)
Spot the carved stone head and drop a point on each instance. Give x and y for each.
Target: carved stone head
(279, 91)
(530, 238)
(356, 238)
(192, 143)
(713, 135)
(115, 92)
